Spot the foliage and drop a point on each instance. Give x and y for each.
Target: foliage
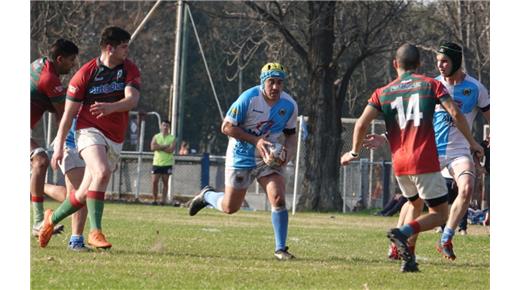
(164, 248)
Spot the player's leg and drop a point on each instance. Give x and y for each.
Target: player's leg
(274, 186)
(155, 184)
(73, 178)
(39, 165)
(97, 163)
(164, 178)
(462, 170)
(56, 192)
(236, 180)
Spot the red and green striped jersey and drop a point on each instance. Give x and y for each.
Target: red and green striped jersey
(408, 104)
(46, 89)
(94, 82)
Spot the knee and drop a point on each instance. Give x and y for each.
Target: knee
(229, 209)
(101, 174)
(40, 163)
(466, 191)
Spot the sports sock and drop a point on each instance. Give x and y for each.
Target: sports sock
(37, 205)
(280, 220)
(76, 239)
(410, 229)
(69, 206)
(95, 205)
(447, 234)
(214, 199)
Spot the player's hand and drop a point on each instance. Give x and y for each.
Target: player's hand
(477, 149)
(347, 158)
(100, 109)
(57, 156)
(262, 147)
(373, 141)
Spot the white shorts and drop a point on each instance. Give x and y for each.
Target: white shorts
(448, 161)
(428, 185)
(71, 160)
(91, 136)
(242, 178)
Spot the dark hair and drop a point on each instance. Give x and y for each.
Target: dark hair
(114, 36)
(63, 47)
(408, 56)
(166, 121)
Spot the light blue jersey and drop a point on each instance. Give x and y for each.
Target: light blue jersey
(70, 141)
(252, 113)
(470, 96)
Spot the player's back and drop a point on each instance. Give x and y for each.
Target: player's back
(408, 104)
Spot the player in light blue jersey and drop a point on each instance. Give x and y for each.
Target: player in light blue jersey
(73, 167)
(261, 116)
(454, 151)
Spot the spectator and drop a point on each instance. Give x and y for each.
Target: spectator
(163, 144)
(185, 148)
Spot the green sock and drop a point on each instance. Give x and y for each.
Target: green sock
(95, 205)
(37, 205)
(69, 206)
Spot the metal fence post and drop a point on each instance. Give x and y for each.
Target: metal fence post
(204, 170)
(140, 157)
(387, 171)
(364, 181)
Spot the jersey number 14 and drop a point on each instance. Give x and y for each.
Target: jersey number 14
(413, 111)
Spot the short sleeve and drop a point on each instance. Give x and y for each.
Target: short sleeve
(440, 92)
(483, 97)
(77, 86)
(374, 100)
(51, 86)
(133, 76)
(238, 110)
(291, 123)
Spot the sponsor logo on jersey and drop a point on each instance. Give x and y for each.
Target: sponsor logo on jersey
(97, 79)
(72, 89)
(466, 92)
(234, 112)
(281, 112)
(106, 88)
(119, 74)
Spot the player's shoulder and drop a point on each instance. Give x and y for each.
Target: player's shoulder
(250, 93)
(471, 80)
(285, 96)
(130, 65)
(87, 67)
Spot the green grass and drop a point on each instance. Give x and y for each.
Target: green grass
(163, 247)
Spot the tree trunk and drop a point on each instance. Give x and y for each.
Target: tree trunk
(322, 149)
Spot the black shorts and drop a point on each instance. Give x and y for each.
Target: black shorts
(162, 170)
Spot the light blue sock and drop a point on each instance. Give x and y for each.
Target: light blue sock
(447, 234)
(213, 197)
(76, 239)
(407, 230)
(280, 219)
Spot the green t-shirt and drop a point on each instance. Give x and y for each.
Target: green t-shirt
(161, 158)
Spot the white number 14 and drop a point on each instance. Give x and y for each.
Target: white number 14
(412, 111)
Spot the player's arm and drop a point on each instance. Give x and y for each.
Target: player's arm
(71, 110)
(291, 142)
(170, 148)
(461, 123)
(236, 132)
(101, 109)
(360, 130)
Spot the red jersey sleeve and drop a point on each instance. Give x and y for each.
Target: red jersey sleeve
(374, 100)
(439, 91)
(133, 76)
(78, 86)
(51, 86)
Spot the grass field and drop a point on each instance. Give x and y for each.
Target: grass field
(163, 247)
